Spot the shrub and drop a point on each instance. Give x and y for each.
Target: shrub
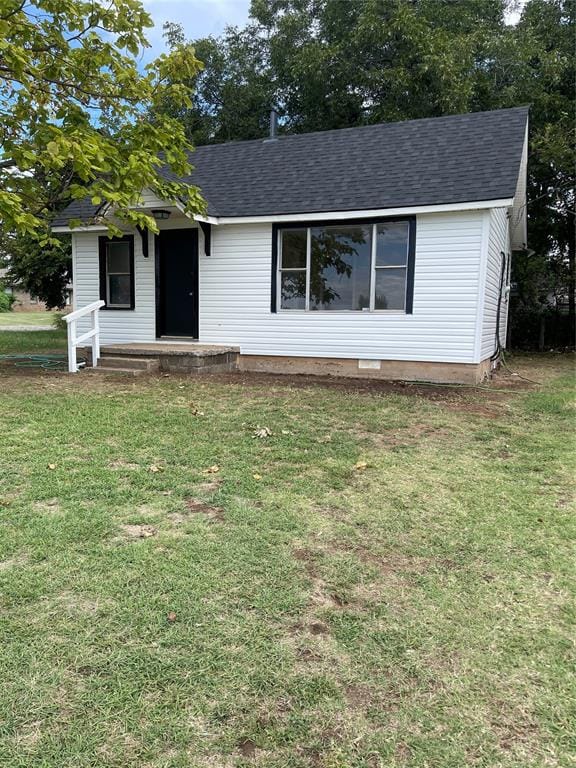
(58, 322)
(6, 300)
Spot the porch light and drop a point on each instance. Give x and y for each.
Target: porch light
(160, 214)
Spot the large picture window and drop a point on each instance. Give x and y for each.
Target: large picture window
(360, 267)
(117, 272)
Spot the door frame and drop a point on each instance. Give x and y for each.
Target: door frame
(158, 283)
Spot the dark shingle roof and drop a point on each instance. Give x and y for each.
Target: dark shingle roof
(453, 159)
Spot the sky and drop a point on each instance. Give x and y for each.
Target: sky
(199, 18)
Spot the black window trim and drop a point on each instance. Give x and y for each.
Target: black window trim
(278, 226)
(102, 243)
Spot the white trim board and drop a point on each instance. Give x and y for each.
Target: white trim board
(331, 215)
(367, 214)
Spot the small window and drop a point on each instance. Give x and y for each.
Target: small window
(117, 272)
(391, 265)
(293, 250)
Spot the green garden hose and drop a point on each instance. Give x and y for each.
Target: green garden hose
(47, 362)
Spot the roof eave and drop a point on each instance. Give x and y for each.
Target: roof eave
(368, 213)
(331, 215)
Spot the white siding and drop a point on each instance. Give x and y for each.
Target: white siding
(116, 325)
(235, 286)
(149, 200)
(498, 243)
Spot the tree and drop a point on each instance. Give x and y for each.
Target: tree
(545, 77)
(74, 109)
(329, 64)
(43, 271)
(232, 93)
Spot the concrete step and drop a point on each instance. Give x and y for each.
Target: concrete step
(169, 358)
(149, 364)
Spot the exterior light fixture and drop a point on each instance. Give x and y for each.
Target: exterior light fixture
(160, 214)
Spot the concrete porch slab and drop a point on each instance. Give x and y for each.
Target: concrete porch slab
(168, 349)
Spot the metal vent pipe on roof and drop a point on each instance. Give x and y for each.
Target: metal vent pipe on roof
(273, 124)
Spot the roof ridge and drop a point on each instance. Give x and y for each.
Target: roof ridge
(282, 137)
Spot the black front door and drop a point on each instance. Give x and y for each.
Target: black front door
(177, 283)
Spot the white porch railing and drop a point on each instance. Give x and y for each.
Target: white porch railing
(94, 333)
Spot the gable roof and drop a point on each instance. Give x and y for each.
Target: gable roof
(434, 161)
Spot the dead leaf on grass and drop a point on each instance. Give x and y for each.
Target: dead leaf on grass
(360, 466)
(155, 468)
(256, 476)
(171, 617)
(262, 432)
(195, 411)
(214, 469)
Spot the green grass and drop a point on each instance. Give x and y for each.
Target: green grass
(289, 609)
(14, 342)
(26, 318)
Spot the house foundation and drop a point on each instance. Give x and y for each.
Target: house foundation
(400, 370)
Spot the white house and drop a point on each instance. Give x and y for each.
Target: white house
(379, 251)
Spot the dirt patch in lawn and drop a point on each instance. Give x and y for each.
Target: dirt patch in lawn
(198, 507)
(493, 411)
(72, 603)
(436, 392)
(140, 531)
(18, 561)
(28, 736)
(122, 464)
(318, 628)
(403, 437)
(307, 557)
(321, 595)
(386, 563)
(405, 564)
(48, 507)
(209, 486)
(247, 748)
(359, 696)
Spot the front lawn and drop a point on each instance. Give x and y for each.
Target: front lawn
(27, 318)
(18, 342)
(251, 571)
